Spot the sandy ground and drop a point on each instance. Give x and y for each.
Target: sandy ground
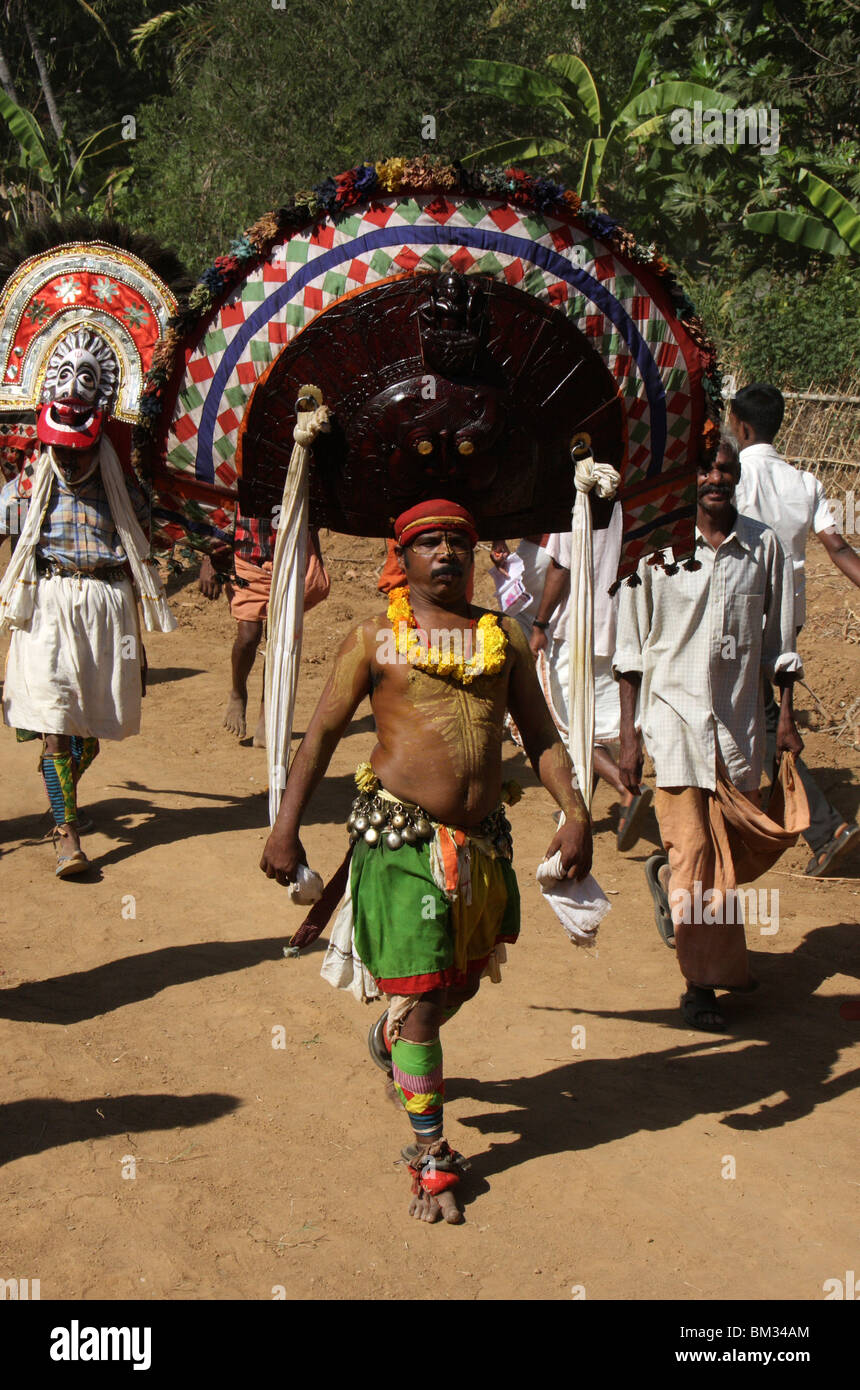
(158, 1146)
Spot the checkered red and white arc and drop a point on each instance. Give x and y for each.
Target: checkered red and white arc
(617, 303)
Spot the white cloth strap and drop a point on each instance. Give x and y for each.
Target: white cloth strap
(287, 600)
(604, 479)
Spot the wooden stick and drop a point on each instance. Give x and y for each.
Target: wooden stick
(813, 396)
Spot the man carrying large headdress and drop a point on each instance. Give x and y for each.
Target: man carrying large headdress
(70, 592)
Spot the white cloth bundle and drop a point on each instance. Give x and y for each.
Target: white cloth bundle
(580, 702)
(18, 589)
(580, 907)
(308, 887)
(287, 600)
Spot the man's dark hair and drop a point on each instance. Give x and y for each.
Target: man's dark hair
(761, 407)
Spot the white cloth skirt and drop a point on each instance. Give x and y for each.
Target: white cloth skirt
(607, 700)
(76, 669)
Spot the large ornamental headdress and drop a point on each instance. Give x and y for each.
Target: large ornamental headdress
(79, 321)
(477, 336)
(464, 330)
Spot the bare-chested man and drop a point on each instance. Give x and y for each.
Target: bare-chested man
(432, 890)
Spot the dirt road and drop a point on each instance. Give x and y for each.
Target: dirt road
(158, 1144)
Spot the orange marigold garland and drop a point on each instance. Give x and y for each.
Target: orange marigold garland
(488, 659)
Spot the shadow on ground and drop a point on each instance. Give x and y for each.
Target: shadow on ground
(65, 999)
(794, 1038)
(33, 1126)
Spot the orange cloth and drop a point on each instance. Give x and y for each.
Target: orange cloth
(393, 574)
(250, 603)
(716, 840)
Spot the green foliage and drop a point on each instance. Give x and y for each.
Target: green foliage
(282, 98)
(46, 183)
(237, 105)
(837, 233)
(572, 104)
(785, 328)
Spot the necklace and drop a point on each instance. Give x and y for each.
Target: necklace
(447, 660)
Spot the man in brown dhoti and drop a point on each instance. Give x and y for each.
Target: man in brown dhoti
(698, 643)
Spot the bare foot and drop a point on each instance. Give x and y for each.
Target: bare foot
(451, 1213)
(424, 1207)
(71, 859)
(430, 1206)
(234, 715)
(259, 740)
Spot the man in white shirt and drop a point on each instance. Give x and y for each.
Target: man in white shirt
(697, 642)
(792, 503)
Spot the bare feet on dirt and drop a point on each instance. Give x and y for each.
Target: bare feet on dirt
(434, 1166)
(259, 739)
(234, 715)
(426, 1208)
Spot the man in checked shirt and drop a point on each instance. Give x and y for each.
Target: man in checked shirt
(696, 643)
(80, 566)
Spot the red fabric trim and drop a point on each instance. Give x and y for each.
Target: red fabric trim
(439, 979)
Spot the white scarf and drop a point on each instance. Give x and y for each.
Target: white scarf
(18, 589)
(287, 599)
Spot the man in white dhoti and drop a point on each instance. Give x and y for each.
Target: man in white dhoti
(74, 672)
(548, 641)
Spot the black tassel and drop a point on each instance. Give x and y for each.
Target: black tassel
(633, 581)
(692, 564)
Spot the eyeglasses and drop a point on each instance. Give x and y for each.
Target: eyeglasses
(435, 540)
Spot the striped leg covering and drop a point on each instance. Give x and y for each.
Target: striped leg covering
(58, 774)
(419, 1084)
(84, 751)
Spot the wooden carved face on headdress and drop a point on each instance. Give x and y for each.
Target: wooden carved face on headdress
(437, 430)
(444, 384)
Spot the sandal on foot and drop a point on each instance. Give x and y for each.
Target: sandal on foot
(379, 1051)
(68, 865)
(630, 820)
(824, 857)
(662, 911)
(695, 1009)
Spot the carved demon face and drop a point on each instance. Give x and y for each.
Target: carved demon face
(431, 432)
(82, 368)
(80, 384)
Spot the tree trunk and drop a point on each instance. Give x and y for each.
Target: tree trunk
(45, 82)
(6, 80)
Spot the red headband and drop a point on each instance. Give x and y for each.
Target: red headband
(435, 515)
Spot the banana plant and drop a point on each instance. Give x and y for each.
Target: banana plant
(45, 181)
(836, 232)
(572, 98)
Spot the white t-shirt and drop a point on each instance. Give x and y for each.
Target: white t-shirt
(792, 503)
(607, 553)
